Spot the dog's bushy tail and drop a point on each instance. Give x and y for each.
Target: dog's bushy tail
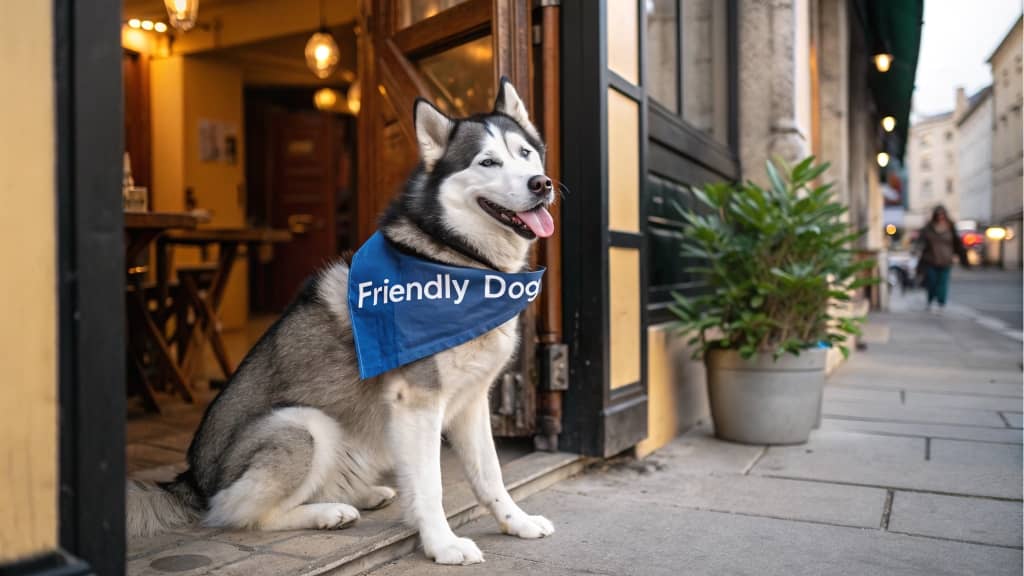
(156, 507)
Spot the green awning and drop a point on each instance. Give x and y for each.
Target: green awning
(893, 26)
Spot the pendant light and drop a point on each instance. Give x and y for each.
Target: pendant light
(321, 50)
(325, 99)
(182, 14)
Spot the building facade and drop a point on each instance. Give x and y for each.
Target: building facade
(638, 100)
(974, 158)
(932, 169)
(1008, 142)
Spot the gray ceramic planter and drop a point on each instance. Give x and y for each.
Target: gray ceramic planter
(765, 401)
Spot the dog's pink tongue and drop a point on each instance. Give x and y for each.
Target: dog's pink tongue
(539, 220)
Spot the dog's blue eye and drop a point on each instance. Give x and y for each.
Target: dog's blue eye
(487, 163)
(525, 153)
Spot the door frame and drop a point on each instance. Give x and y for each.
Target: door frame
(598, 420)
(90, 257)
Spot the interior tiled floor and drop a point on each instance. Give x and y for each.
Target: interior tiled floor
(159, 441)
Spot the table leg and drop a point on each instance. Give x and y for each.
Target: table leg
(226, 261)
(177, 378)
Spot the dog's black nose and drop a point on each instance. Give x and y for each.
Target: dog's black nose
(539, 185)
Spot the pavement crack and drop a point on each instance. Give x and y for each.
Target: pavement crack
(887, 510)
(927, 449)
(1005, 419)
(764, 450)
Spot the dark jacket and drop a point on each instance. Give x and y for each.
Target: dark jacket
(939, 247)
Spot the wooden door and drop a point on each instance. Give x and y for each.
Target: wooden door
(451, 52)
(302, 197)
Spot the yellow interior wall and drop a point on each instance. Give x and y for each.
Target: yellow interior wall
(185, 90)
(28, 299)
(167, 102)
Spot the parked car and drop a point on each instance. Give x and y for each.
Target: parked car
(974, 244)
(902, 270)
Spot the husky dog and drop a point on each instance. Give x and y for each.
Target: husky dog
(297, 440)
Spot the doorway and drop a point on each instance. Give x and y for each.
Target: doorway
(301, 177)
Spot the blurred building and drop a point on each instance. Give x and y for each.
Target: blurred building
(1008, 143)
(932, 165)
(974, 158)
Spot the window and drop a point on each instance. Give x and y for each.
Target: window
(704, 34)
(663, 53)
(949, 186)
(924, 141)
(926, 163)
(926, 189)
(462, 78)
(949, 135)
(412, 11)
(687, 62)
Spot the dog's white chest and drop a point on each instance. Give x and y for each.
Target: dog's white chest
(479, 360)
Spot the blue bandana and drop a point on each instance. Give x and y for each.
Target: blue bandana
(404, 308)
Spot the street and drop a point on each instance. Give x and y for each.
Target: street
(916, 471)
(991, 292)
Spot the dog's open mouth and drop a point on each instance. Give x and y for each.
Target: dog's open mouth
(533, 223)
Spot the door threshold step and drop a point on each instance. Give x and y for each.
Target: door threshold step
(523, 477)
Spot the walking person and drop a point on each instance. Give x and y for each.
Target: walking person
(939, 243)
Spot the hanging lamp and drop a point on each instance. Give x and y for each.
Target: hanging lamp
(322, 53)
(182, 14)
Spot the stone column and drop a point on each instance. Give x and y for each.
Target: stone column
(767, 77)
(833, 51)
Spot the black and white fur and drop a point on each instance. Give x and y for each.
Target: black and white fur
(297, 440)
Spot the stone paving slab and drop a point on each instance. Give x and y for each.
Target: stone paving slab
(700, 451)
(758, 496)
(625, 536)
(898, 413)
(978, 520)
(961, 453)
(961, 386)
(977, 433)
(892, 462)
(962, 401)
(868, 395)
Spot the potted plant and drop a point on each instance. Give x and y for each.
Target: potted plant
(772, 260)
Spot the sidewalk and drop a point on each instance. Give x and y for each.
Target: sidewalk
(916, 470)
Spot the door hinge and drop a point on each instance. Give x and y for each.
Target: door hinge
(554, 367)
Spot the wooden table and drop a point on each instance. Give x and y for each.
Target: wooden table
(140, 229)
(207, 306)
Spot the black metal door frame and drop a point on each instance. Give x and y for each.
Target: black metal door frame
(89, 141)
(597, 420)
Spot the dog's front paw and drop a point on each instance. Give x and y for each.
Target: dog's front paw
(454, 550)
(525, 526)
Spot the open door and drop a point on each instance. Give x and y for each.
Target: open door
(451, 52)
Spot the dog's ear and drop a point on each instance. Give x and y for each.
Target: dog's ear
(509, 104)
(432, 131)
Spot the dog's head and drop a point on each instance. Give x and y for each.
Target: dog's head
(486, 172)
